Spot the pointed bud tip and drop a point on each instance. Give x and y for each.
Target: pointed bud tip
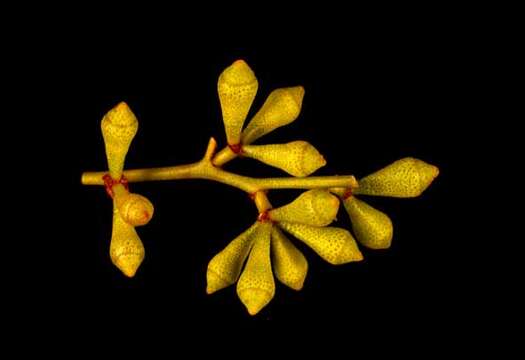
(312, 160)
(239, 62)
(121, 115)
(297, 94)
(128, 264)
(349, 253)
(129, 272)
(238, 73)
(254, 300)
(297, 286)
(121, 106)
(427, 173)
(434, 171)
(214, 282)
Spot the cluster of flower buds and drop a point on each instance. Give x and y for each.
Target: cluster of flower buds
(262, 251)
(248, 259)
(404, 178)
(119, 127)
(307, 218)
(237, 87)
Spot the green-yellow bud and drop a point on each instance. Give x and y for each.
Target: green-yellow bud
(256, 286)
(289, 264)
(335, 245)
(316, 207)
(403, 178)
(372, 228)
(297, 158)
(225, 267)
(237, 88)
(126, 249)
(134, 209)
(119, 127)
(280, 108)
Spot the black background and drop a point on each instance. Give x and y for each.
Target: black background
(375, 92)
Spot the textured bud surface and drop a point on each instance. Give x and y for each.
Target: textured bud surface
(335, 245)
(407, 177)
(289, 264)
(372, 228)
(256, 286)
(314, 207)
(126, 249)
(297, 158)
(280, 108)
(225, 267)
(237, 87)
(119, 127)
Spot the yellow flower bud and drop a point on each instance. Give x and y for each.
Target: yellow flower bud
(314, 207)
(289, 264)
(372, 228)
(297, 158)
(335, 245)
(403, 178)
(119, 127)
(225, 267)
(126, 249)
(256, 286)
(280, 108)
(134, 209)
(237, 87)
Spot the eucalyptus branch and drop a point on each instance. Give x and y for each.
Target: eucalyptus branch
(262, 251)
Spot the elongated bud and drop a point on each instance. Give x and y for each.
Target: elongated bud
(237, 88)
(403, 178)
(314, 207)
(280, 108)
(372, 228)
(119, 127)
(134, 209)
(225, 267)
(297, 158)
(256, 286)
(289, 264)
(126, 249)
(335, 245)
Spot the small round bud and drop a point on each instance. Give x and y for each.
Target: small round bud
(135, 209)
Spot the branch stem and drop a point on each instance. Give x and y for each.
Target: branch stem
(204, 169)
